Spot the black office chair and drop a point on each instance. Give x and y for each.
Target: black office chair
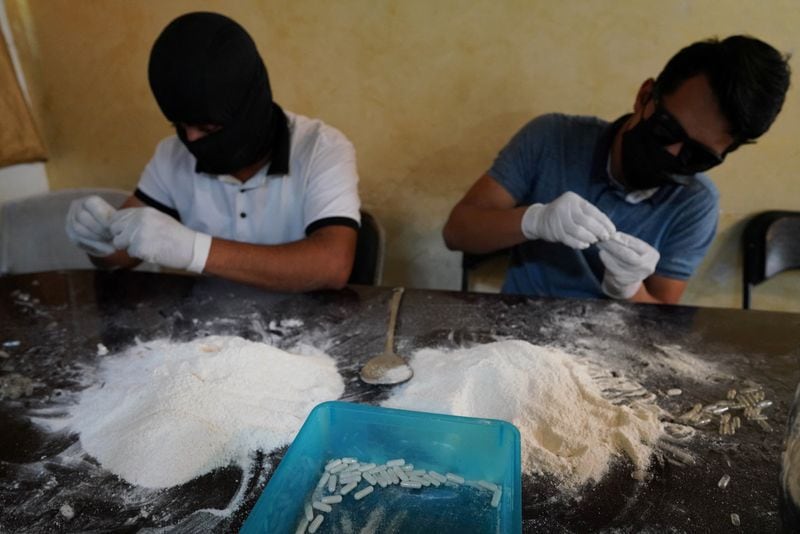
(771, 245)
(471, 262)
(370, 250)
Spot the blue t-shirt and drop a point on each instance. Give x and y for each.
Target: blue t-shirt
(556, 153)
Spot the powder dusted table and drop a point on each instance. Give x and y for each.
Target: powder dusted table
(51, 325)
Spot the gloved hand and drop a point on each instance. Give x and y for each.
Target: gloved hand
(153, 236)
(569, 219)
(628, 261)
(88, 221)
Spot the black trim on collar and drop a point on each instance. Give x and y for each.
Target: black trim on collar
(279, 161)
(153, 203)
(331, 221)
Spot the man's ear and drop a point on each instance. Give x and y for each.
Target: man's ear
(643, 95)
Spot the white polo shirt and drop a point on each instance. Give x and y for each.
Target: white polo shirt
(310, 182)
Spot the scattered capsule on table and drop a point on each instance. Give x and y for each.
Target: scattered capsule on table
(764, 404)
(723, 482)
(363, 493)
(370, 479)
(332, 499)
(309, 512)
(410, 484)
(488, 485)
(312, 528)
(301, 528)
(366, 467)
(398, 462)
(332, 484)
(735, 520)
(674, 392)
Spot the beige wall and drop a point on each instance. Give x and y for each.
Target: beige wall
(427, 90)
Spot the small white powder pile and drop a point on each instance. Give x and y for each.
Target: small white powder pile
(168, 412)
(568, 429)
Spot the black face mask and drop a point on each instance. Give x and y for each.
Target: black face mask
(646, 163)
(205, 69)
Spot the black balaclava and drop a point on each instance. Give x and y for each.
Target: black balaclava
(646, 163)
(205, 69)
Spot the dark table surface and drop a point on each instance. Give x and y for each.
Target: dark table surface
(59, 319)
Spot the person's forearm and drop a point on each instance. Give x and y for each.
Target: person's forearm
(478, 230)
(304, 265)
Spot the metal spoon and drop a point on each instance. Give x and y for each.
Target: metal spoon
(388, 368)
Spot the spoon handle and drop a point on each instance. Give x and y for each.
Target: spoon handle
(393, 307)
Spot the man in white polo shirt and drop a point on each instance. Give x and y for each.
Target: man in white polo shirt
(245, 190)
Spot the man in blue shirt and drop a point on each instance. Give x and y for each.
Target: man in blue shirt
(634, 188)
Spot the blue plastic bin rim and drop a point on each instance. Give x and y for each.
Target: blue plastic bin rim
(355, 407)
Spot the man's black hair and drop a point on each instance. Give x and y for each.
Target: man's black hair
(748, 77)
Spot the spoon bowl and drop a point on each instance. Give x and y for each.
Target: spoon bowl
(389, 367)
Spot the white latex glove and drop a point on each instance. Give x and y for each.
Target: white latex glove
(628, 261)
(153, 236)
(569, 219)
(88, 225)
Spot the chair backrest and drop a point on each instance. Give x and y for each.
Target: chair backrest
(471, 262)
(770, 245)
(370, 251)
(33, 236)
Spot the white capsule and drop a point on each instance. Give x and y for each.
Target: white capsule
(370, 479)
(410, 484)
(488, 485)
(432, 480)
(309, 512)
(332, 484)
(312, 528)
(398, 462)
(301, 528)
(418, 472)
(400, 473)
(735, 521)
(436, 476)
(407, 467)
(366, 467)
(348, 488)
(723, 482)
(348, 478)
(332, 464)
(454, 478)
(323, 479)
(322, 507)
(332, 499)
(496, 497)
(349, 460)
(363, 493)
(382, 480)
(337, 468)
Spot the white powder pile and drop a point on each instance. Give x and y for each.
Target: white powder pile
(168, 412)
(568, 429)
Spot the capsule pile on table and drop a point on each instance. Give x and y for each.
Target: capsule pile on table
(750, 402)
(342, 476)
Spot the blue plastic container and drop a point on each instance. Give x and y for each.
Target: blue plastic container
(476, 449)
